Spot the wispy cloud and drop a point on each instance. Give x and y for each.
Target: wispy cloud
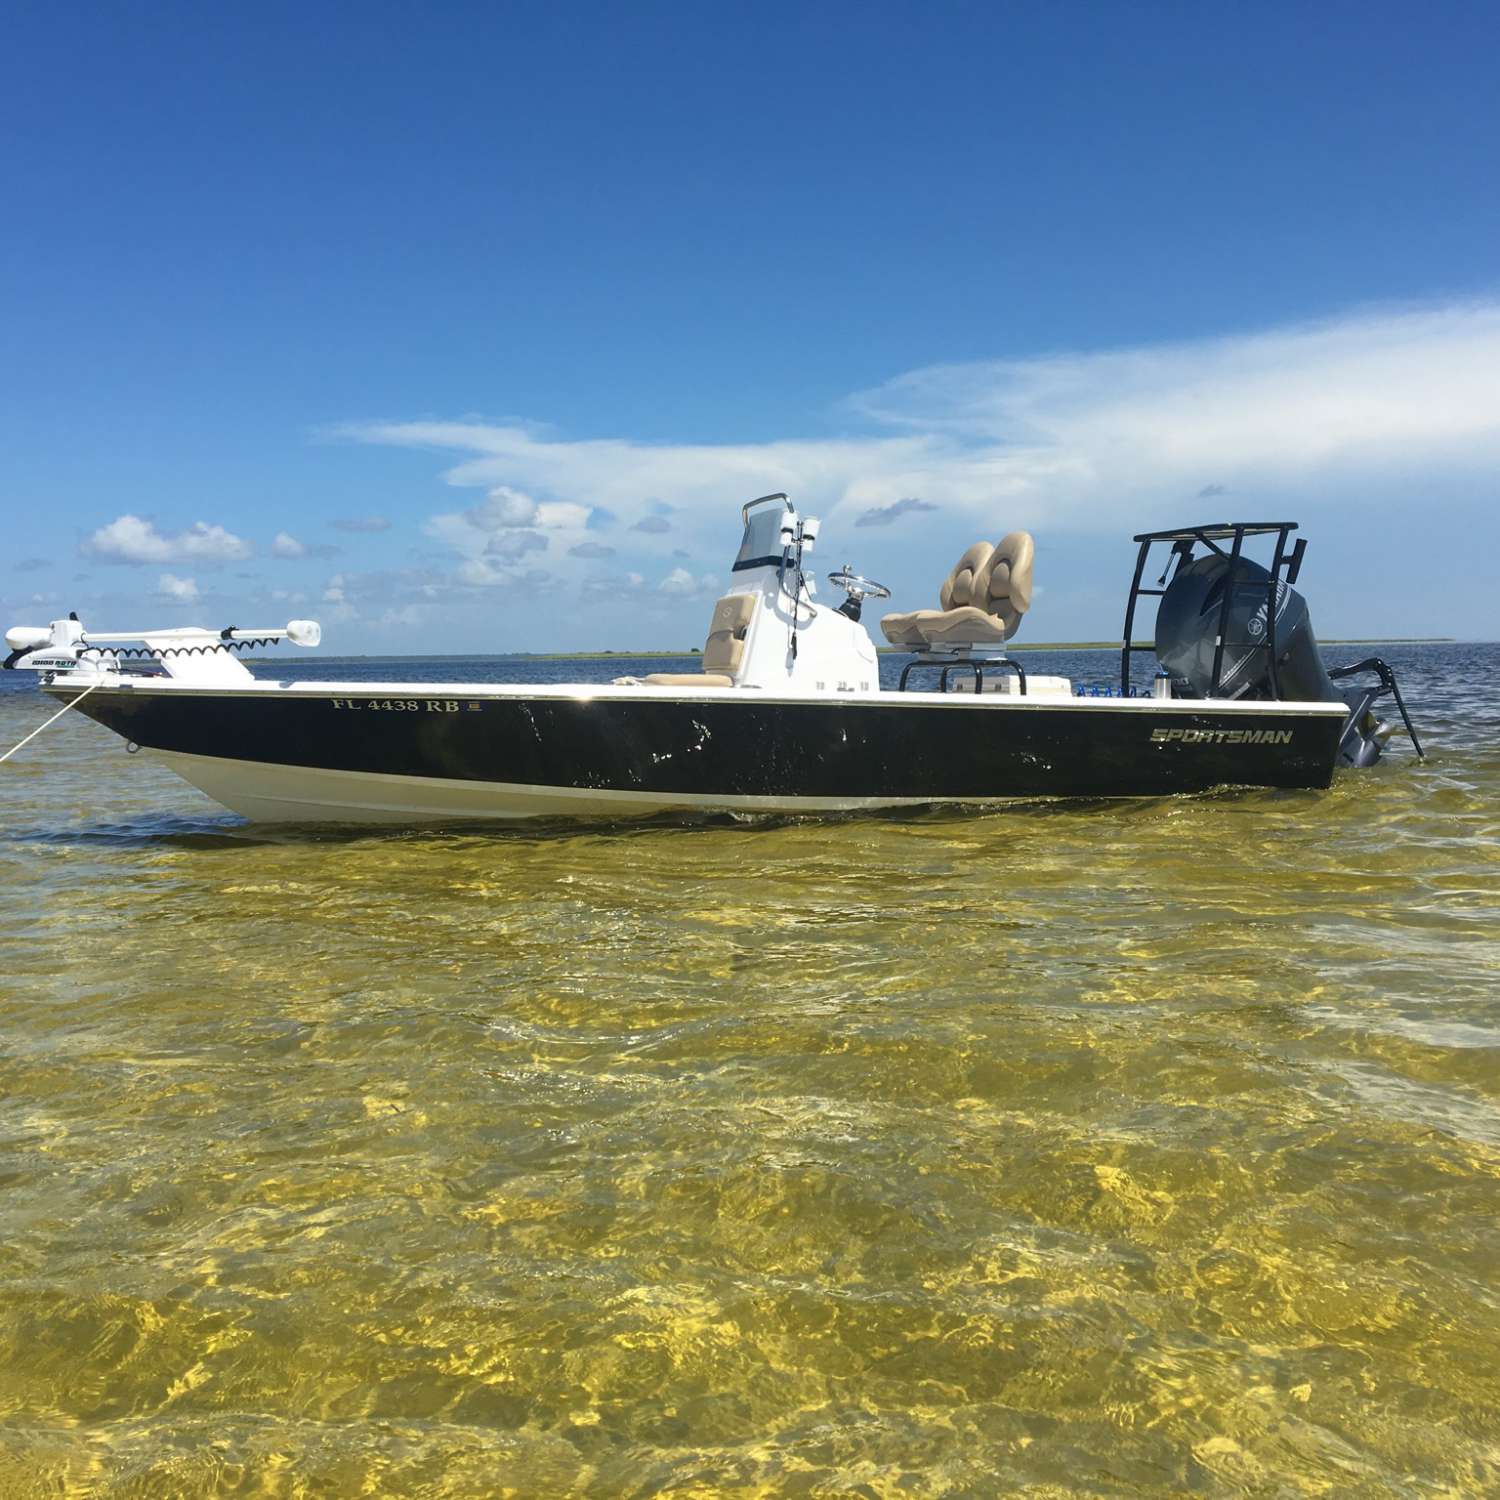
(1062, 441)
(290, 548)
(1345, 392)
(884, 515)
(617, 478)
(1375, 412)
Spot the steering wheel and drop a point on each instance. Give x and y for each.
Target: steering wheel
(858, 588)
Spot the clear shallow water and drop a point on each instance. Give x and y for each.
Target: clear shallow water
(1111, 1150)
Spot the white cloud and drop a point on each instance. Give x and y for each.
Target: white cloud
(502, 507)
(685, 585)
(1351, 389)
(1063, 440)
(178, 590)
(562, 515)
(506, 524)
(512, 544)
(456, 530)
(129, 539)
(1070, 437)
(1390, 413)
(480, 572)
(405, 617)
(340, 608)
(487, 572)
(283, 545)
(615, 477)
(373, 597)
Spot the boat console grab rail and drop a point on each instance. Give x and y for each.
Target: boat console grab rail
(750, 505)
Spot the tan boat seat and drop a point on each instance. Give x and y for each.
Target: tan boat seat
(958, 590)
(982, 600)
(724, 649)
(679, 679)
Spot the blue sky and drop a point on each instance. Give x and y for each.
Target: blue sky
(468, 328)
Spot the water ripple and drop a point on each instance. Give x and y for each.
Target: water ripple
(1069, 1149)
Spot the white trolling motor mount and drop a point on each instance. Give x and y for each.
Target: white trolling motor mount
(190, 653)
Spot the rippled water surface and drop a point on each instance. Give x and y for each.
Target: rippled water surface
(1130, 1149)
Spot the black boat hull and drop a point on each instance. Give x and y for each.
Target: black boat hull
(357, 754)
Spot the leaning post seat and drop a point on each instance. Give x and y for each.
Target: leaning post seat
(982, 601)
(723, 651)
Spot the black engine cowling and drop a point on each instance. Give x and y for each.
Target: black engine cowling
(1187, 629)
(1187, 626)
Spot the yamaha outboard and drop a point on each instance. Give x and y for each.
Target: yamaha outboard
(1188, 626)
(1228, 627)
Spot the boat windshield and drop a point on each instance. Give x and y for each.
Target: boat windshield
(761, 544)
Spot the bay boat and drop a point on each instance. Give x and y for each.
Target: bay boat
(787, 715)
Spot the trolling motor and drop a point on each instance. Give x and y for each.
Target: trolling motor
(1228, 627)
(65, 649)
(65, 652)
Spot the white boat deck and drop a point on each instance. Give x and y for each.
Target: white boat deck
(358, 695)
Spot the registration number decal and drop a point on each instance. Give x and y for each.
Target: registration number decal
(407, 705)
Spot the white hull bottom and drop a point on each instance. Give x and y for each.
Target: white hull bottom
(302, 794)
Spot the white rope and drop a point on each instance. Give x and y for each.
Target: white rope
(55, 717)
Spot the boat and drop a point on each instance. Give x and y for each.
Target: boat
(786, 713)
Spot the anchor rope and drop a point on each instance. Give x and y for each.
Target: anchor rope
(55, 717)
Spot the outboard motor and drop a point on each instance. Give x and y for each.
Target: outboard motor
(1188, 626)
(1187, 629)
